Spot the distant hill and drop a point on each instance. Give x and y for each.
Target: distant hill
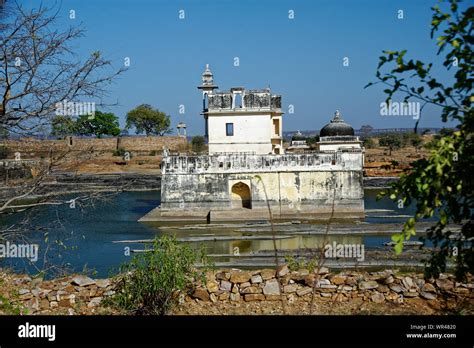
(376, 131)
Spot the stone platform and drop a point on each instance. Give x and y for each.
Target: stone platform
(244, 214)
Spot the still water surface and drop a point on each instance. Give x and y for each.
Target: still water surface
(83, 240)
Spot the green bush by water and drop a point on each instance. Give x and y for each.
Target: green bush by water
(152, 280)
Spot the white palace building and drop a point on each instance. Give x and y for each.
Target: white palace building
(246, 166)
(241, 120)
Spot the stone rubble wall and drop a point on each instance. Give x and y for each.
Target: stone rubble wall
(262, 285)
(12, 169)
(30, 147)
(82, 295)
(64, 295)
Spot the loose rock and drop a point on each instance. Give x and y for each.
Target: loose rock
(267, 274)
(201, 294)
(271, 287)
(377, 297)
(283, 270)
(444, 284)
(254, 297)
(239, 277)
(82, 280)
(371, 284)
(225, 285)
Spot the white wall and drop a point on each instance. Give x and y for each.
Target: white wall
(335, 146)
(252, 133)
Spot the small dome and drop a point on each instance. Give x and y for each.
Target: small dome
(336, 127)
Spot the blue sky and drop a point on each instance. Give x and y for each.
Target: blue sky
(301, 59)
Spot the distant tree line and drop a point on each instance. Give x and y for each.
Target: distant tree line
(310, 140)
(395, 141)
(144, 119)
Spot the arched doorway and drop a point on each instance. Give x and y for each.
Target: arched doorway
(241, 193)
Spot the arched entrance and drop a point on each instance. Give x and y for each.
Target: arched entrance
(241, 195)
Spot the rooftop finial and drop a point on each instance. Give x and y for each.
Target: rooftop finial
(207, 80)
(207, 77)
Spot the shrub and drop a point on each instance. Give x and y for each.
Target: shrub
(120, 152)
(151, 281)
(3, 152)
(9, 304)
(312, 140)
(198, 143)
(369, 143)
(298, 137)
(295, 265)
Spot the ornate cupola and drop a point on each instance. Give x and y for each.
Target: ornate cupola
(207, 77)
(207, 80)
(207, 86)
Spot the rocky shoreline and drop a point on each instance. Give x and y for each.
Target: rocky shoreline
(67, 183)
(80, 294)
(378, 182)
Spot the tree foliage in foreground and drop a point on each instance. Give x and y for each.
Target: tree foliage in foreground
(440, 185)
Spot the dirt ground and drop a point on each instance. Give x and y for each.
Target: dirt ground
(327, 306)
(378, 162)
(107, 163)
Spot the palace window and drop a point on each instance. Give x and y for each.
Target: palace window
(237, 100)
(229, 129)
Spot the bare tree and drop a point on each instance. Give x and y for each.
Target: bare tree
(38, 69)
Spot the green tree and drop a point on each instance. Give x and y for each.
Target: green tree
(312, 140)
(62, 126)
(297, 137)
(198, 143)
(369, 143)
(440, 185)
(99, 124)
(392, 141)
(414, 140)
(148, 120)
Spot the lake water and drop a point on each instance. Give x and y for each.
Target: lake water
(84, 239)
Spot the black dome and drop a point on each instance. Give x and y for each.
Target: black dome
(336, 127)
